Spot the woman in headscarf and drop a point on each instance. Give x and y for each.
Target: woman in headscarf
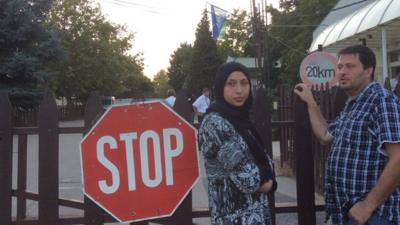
(239, 172)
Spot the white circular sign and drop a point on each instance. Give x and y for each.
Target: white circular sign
(319, 68)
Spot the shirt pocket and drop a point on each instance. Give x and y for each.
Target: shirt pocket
(357, 131)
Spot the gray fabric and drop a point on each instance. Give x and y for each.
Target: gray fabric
(233, 176)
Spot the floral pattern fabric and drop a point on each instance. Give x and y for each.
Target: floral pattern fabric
(233, 177)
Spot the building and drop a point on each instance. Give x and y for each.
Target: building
(375, 23)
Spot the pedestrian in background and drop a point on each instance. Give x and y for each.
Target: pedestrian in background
(201, 104)
(363, 166)
(170, 100)
(239, 171)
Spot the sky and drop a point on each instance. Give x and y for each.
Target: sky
(160, 26)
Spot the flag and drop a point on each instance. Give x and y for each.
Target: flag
(218, 20)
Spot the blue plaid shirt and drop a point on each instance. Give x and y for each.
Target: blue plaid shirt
(357, 156)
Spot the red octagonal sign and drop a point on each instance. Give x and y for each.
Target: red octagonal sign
(139, 161)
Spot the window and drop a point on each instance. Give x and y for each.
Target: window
(394, 56)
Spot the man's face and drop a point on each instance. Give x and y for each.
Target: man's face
(207, 93)
(351, 74)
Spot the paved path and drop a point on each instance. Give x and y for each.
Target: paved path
(71, 184)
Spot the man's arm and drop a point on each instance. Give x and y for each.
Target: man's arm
(387, 183)
(318, 122)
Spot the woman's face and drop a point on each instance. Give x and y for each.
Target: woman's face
(237, 89)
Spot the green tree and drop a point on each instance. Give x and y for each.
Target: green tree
(137, 87)
(238, 31)
(288, 5)
(290, 33)
(98, 58)
(179, 66)
(204, 61)
(135, 84)
(160, 83)
(27, 45)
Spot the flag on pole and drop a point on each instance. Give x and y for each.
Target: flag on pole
(218, 20)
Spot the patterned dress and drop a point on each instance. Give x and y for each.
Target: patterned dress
(233, 176)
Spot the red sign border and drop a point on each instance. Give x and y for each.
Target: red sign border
(141, 103)
(309, 58)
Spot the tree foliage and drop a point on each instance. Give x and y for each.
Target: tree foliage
(204, 61)
(97, 53)
(287, 40)
(27, 45)
(290, 33)
(137, 87)
(179, 66)
(236, 39)
(288, 5)
(161, 84)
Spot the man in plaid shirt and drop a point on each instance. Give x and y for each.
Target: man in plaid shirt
(363, 167)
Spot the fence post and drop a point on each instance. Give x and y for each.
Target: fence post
(5, 159)
(339, 100)
(48, 161)
(304, 165)
(283, 134)
(183, 214)
(262, 113)
(22, 178)
(93, 214)
(182, 106)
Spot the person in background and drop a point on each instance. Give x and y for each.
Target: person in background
(393, 82)
(191, 98)
(201, 104)
(171, 97)
(363, 166)
(239, 171)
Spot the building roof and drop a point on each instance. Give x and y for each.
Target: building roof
(342, 9)
(249, 62)
(362, 23)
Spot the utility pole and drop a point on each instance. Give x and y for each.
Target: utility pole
(267, 63)
(257, 39)
(260, 32)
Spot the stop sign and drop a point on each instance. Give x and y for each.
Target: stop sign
(139, 161)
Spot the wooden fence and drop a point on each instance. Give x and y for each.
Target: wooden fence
(27, 117)
(286, 113)
(331, 102)
(48, 192)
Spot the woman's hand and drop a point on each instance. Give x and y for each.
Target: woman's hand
(266, 187)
